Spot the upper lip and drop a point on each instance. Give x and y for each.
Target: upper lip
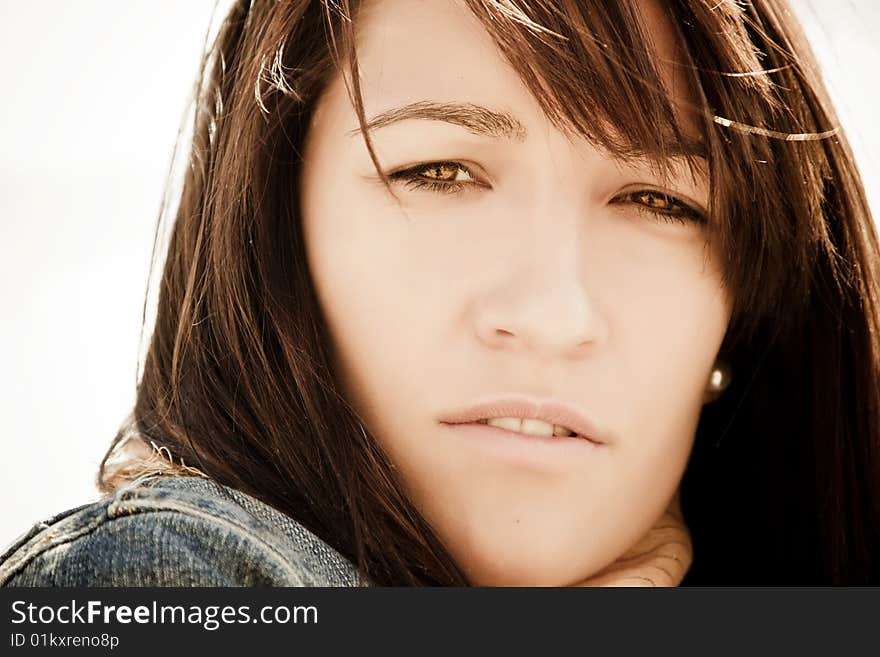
(550, 411)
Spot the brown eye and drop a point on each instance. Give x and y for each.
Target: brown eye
(663, 206)
(441, 171)
(655, 201)
(440, 177)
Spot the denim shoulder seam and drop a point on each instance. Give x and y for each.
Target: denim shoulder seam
(77, 525)
(181, 507)
(38, 527)
(291, 533)
(53, 535)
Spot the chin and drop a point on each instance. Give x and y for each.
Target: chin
(524, 574)
(531, 564)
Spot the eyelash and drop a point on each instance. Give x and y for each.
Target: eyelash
(678, 211)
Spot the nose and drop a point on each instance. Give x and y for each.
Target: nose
(542, 302)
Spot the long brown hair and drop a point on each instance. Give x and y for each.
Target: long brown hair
(782, 485)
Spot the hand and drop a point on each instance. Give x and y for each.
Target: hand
(660, 558)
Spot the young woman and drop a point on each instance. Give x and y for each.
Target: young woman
(555, 292)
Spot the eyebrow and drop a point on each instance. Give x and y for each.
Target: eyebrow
(477, 119)
(499, 124)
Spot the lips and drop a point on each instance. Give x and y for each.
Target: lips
(550, 411)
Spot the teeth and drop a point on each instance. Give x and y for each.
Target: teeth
(511, 423)
(528, 426)
(536, 428)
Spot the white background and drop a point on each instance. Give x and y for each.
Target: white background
(92, 94)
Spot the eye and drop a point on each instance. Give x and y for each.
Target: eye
(438, 177)
(662, 205)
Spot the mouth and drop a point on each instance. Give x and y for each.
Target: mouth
(548, 420)
(511, 429)
(528, 426)
(497, 446)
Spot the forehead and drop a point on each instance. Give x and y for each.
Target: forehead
(415, 50)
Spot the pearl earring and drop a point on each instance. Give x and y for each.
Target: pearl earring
(719, 379)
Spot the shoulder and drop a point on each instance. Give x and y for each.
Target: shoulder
(173, 531)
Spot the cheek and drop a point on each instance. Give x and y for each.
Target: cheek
(667, 312)
(669, 323)
(358, 259)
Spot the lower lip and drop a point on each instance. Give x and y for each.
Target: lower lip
(543, 451)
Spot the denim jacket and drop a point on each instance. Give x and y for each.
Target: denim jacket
(174, 531)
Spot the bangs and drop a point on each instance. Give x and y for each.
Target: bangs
(593, 70)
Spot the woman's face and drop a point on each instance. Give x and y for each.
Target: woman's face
(525, 265)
